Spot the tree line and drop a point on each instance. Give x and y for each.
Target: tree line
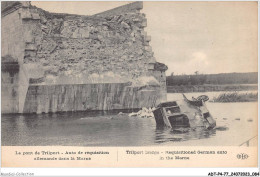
(214, 79)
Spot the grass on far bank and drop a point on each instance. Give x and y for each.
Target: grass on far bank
(236, 97)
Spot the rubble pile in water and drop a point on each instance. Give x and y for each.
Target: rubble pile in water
(143, 113)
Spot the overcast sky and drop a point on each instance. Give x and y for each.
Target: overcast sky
(209, 37)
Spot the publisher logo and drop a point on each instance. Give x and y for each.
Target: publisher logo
(242, 156)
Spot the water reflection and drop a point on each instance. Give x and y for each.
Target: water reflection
(163, 135)
(100, 128)
(221, 128)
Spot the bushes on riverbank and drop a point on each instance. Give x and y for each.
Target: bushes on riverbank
(236, 97)
(213, 79)
(209, 88)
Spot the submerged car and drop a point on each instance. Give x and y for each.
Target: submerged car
(184, 113)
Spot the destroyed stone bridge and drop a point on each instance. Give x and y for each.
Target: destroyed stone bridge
(64, 62)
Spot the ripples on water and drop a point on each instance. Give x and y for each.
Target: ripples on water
(91, 129)
(107, 128)
(168, 135)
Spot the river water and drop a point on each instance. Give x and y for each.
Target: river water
(236, 123)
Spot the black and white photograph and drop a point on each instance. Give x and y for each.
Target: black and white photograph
(121, 74)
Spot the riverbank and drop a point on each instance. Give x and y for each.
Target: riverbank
(210, 88)
(236, 97)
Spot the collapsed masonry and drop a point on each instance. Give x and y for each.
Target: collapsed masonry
(62, 62)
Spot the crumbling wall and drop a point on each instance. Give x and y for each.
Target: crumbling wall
(59, 55)
(71, 46)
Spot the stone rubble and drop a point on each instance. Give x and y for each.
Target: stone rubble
(66, 62)
(143, 113)
(88, 44)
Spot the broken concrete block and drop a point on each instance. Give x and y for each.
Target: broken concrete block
(148, 48)
(125, 25)
(147, 38)
(35, 16)
(144, 24)
(30, 46)
(26, 14)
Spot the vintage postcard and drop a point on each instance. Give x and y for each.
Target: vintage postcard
(129, 84)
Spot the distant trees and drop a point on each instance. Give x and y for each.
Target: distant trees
(214, 79)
